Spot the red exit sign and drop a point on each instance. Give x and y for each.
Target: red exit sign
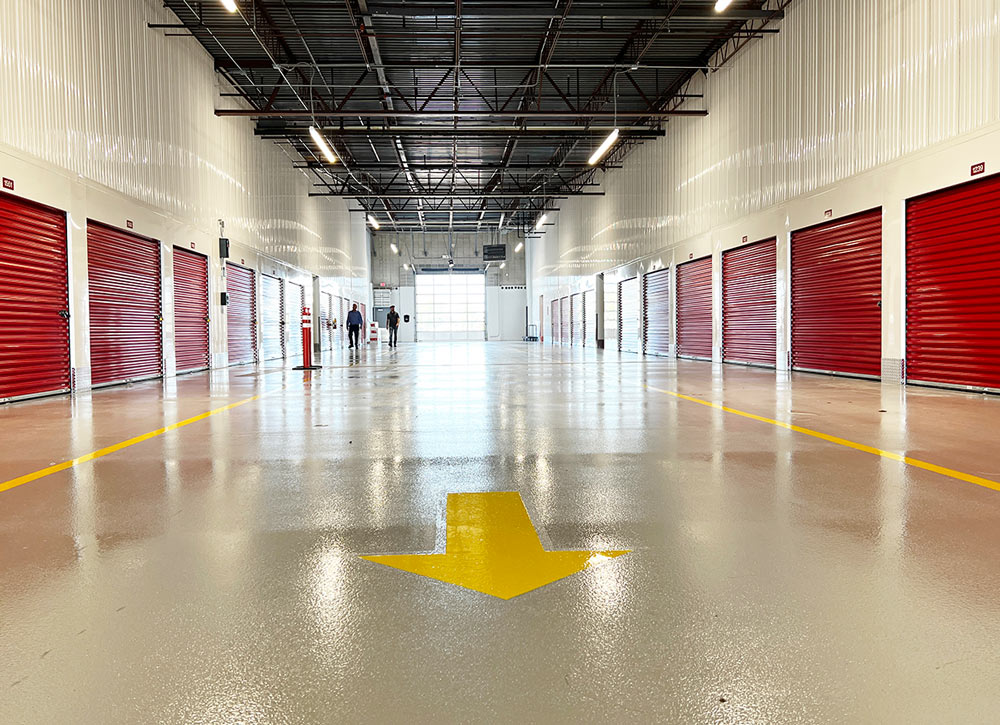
(978, 169)
(8, 184)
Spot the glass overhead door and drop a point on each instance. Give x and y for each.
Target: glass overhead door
(451, 306)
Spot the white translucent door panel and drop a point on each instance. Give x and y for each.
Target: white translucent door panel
(451, 306)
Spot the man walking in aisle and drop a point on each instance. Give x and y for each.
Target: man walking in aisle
(392, 322)
(354, 323)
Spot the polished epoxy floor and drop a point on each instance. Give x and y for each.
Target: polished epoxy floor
(213, 574)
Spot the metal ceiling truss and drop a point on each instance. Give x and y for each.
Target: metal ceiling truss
(470, 114)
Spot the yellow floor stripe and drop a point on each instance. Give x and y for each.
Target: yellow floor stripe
(55, 468)
(915, 462)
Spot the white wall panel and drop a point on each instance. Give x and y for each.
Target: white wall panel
(854, 104)
(88, 88)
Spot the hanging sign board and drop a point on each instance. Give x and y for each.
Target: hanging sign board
(494, 252)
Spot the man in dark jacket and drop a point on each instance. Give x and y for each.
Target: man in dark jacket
(354, 323)
(392, 322)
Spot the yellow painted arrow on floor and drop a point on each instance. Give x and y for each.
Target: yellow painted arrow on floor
(493, 548)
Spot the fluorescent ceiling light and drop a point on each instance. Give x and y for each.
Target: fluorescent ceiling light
(519, 247)
(374, 222)
(502, 265)
(603, 148)
(229, 5)
(406, 267)
(323, 145)
(721, 5)
(541, 221)
(393, 247)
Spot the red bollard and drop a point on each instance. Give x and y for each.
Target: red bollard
(307, 342)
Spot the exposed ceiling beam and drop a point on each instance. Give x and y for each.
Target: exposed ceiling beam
(484, 115)
(460, 195)
(609, 11)
(467, 132)
(447, 166)
(258, 63)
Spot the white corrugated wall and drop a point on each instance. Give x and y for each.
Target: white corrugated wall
(844, 88)
(87, 87)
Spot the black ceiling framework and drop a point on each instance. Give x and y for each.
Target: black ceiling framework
(470, 114)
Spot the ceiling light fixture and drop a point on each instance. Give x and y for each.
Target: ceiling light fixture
(609, 141)
(406, 267)
(603, 148)
(502, 265)
(229, 5)
(721, 5)
(519, 247)
(541, 221)
(393, 247)
(374, 222)
(318, 139)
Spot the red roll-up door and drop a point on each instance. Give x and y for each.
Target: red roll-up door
(694, 309)
(123, 273)
(555, 322)
(241, 314)
(34, 301)
(749, 304)
(836, 294)
(629, 309)
(576, 315)
(953, 286)
(656, 312)
(190, 310)
(589, 317)
(564, 321)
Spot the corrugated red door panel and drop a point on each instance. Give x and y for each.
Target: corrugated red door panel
(564, 321)
(576, 319)
(190, 310)
(656, 312)
(749, 304)
(241, 314)
(836, 295)
(272, 318)
(589, 317)
(694, 308)
(555, 321)
(123, 277)
(34, 302)
(628, 315)
(953, 286)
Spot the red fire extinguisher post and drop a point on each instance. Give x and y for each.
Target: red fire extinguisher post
(307, 342)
